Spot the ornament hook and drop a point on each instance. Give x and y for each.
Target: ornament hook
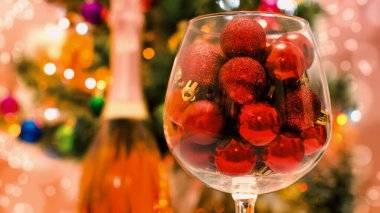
(189, 90)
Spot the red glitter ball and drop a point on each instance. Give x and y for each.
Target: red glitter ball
(175, 106)
(203, 121)
(243, 79)
(236, 158)
(302, 108)
(285, 154)
(285, 61)
(314, 138)
(302, 43)
(196, 155)
(259, 123)
(201, 62)
(242, 36)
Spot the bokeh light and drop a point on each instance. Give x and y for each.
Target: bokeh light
(101, 85)
(64, 23)
(356, 116)
(149, 53)
(90, 83)
(342, 119)
(81, 28)
(69, 74)
(51, 114)
(50, 68)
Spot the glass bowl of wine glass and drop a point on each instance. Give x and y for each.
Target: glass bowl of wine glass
(247, 105)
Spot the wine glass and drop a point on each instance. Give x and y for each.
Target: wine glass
(247, 105)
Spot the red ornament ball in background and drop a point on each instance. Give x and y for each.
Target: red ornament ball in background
(285, 154)
(269, 6)
(93, 12)
(203, 121)
(235, 158)
(9, 105)
(242, 36)
(259, 123)
(302, 108)
(314, 138)
(302, 43)
(285, 61)
(243, 79)
(175, 107)
(201, 62)
(196, 155)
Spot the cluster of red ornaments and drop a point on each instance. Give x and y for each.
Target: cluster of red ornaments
(250, 106)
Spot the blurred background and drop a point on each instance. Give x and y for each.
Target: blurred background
(54, 74)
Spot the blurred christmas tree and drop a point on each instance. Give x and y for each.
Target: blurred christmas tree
(71, 77)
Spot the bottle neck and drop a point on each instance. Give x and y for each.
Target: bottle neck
(125, 96)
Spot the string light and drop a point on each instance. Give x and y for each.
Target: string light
(51, 114)
(342, 119)
(50, 68)
(101, 85)
(90, 83)
(149, 53)
(68, 74)
(64, 23)
(289, 6)
(81, 28)
(356, 116)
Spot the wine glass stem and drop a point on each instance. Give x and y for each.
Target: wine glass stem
(244, 203)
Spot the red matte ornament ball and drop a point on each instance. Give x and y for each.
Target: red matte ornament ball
(259, 123)
(201, 62)
(302, 43)
(243, 79)
(175, 106)
(236, 158)
(203, 121)
(284, 154)
(242, 36)
(314, 138)
(302, 108)
(285, 61)
(196, 155)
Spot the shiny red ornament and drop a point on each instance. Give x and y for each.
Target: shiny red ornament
(269, 6)
(285, 61)
(259, 123)
(242, 36)
(9, 105)
(203, 121)
(285, 154)
(314, 138)
(196, 155)
(235, 158)
(302, 108)
(303, 43)
(243, 79)
(175, 106)
(201, 62)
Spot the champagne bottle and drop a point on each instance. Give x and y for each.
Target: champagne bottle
(121, 171)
